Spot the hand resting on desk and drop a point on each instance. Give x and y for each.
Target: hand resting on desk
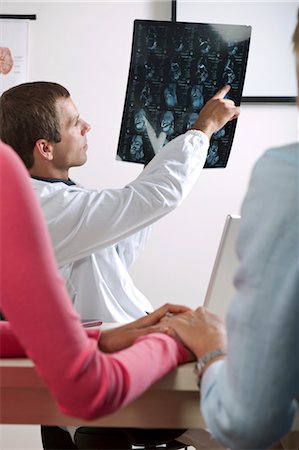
(123, 336)
(200, 330)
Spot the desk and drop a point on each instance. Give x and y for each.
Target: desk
(170, 403)
(173, 402)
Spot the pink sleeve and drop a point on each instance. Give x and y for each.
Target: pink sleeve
(150, 358)
(10, 347)
(85, 382)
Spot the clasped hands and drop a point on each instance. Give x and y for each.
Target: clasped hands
(200, 331)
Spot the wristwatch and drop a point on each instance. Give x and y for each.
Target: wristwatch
(204, 360)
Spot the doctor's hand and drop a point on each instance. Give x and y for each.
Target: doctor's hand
(201, 331)
(123, 336)
(216, 113)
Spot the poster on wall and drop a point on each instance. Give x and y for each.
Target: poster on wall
(13, 53)
(175, 68)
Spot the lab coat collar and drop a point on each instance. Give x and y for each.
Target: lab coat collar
(69, 182)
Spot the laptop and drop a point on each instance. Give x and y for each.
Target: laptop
(221, 289)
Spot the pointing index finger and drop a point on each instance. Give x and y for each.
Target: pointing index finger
(222, 92)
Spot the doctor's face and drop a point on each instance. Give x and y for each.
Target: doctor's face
(71, 150)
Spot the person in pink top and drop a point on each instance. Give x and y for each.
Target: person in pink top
(87, 380)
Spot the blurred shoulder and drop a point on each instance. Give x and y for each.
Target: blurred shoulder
(287, 153)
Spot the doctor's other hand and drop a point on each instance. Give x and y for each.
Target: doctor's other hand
(216, 113)
(201, 331)
(123, 336)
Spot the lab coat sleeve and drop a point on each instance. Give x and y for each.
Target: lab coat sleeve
(81, 221)
(129, 249)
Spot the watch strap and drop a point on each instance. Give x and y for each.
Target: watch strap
(204, 360)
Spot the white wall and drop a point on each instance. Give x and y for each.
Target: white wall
(270, 62)
(86, 46)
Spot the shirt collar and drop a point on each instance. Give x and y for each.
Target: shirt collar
(69, 182)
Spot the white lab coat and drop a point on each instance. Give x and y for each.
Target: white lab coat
(97, 234)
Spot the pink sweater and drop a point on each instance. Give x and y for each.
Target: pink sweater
(42, 324)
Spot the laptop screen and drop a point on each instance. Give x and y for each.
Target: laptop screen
(221, 289)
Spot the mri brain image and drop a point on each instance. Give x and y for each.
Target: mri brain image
(151, 39)
(191, 119)
(197, 99)
(136, 148)
(170, 95)
(146, 96)
(167, 123)
(201, 72)
(139, 121)
(175, 68)
(213, 156)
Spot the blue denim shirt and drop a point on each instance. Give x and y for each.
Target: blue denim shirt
(249, 399)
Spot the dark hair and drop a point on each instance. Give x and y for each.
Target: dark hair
(28, 113)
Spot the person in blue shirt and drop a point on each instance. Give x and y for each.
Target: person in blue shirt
(248, 368)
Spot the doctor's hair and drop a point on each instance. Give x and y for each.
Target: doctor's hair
(28, 113)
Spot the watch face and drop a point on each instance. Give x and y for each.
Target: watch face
(205, 359)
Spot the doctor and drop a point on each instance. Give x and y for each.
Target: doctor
(96, 234)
